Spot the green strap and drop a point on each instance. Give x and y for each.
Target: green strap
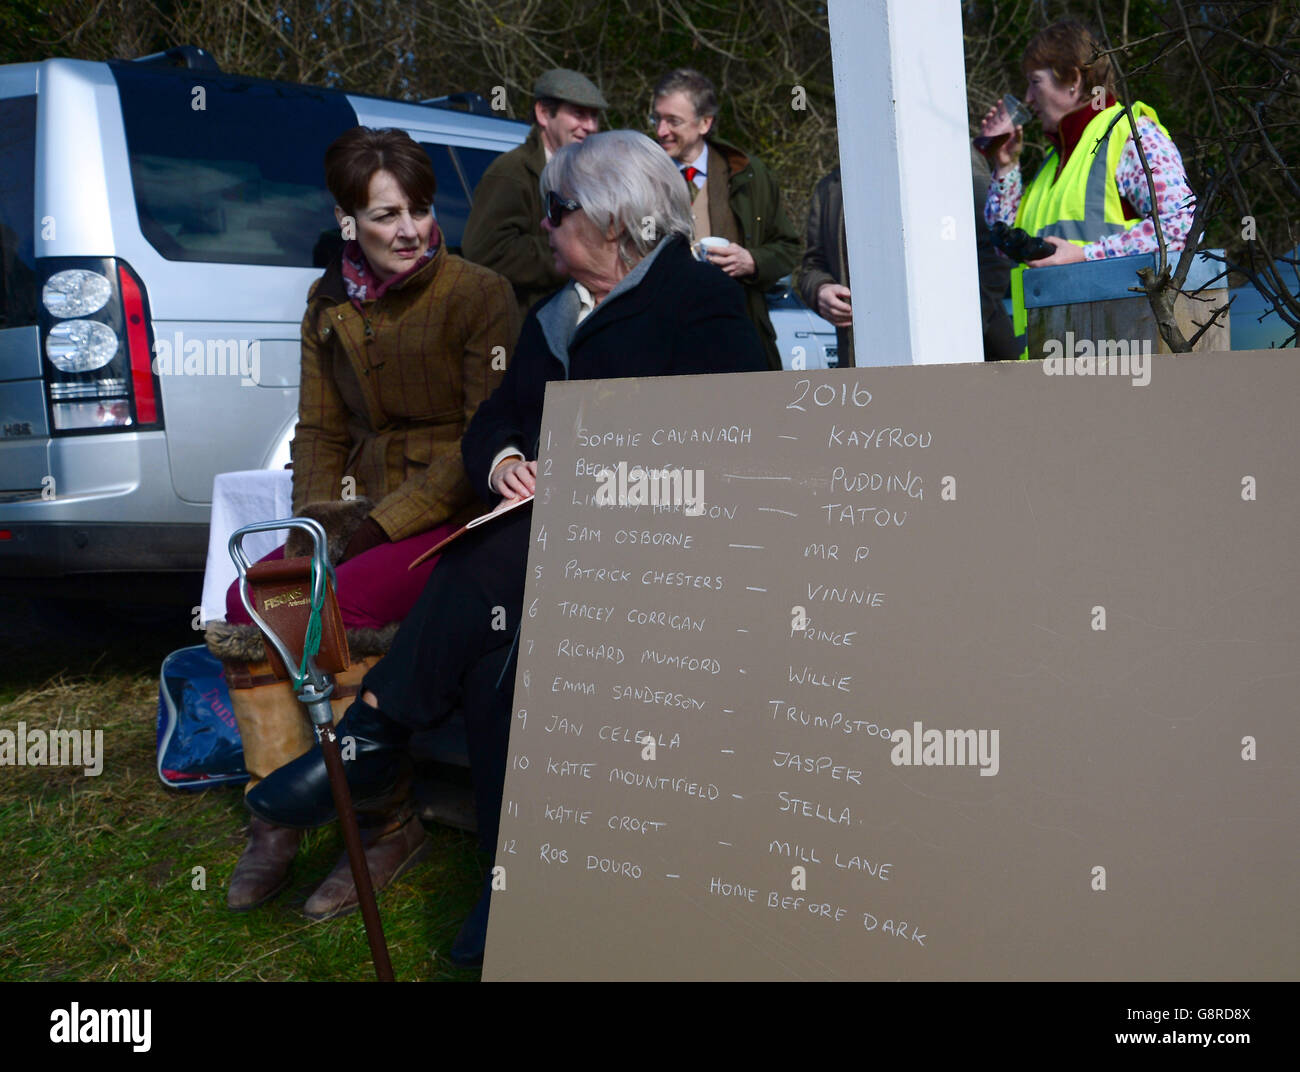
(1019, 315)
(311, 642)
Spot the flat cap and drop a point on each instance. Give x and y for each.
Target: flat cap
(565, 85)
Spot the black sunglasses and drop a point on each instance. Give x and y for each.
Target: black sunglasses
(557, 206)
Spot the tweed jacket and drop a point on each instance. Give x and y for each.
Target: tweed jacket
(627, 335)
(766, 232)
(504, 229)
(826, 256)
(386, 395)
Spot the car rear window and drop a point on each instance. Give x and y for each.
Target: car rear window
(450, 203)
(17, 211)
(227, 169)
(458, 171)
(474, 162)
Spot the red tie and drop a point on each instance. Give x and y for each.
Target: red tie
(690, 173)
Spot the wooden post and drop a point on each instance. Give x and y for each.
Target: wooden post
(900, 98)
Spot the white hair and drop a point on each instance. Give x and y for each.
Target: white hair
(622, 179)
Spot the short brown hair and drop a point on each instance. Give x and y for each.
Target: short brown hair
(1068, 46)
(698, 89)
(353, 159)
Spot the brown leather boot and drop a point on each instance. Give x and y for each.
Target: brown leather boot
(263, 869)
(391, 849)
(274, 731)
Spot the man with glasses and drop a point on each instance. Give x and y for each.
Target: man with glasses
(504, 230)
(733, 195)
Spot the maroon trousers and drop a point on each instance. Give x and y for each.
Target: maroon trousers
(375, 588)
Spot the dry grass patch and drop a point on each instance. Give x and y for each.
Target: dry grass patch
(118, 877)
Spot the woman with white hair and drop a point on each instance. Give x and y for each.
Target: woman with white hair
(619, 224)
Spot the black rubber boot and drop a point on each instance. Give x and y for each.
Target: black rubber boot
(298, 794)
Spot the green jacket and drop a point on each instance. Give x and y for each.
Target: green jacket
(767, 233)
(504, 230)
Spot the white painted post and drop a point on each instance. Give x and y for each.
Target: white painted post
(900, 99)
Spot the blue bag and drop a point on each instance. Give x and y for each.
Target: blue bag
(198, 738)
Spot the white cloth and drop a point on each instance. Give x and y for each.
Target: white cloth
(586, 303)
(239, 499)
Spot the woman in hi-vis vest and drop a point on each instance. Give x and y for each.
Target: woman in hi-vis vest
(1090, 199)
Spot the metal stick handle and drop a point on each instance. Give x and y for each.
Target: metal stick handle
(323, 570)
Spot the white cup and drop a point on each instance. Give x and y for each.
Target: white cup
(703, 245)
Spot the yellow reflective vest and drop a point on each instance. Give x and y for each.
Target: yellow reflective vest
(1081, 204)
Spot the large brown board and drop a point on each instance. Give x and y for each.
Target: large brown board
(1075, 502)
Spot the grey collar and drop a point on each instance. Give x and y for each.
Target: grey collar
(559, 316)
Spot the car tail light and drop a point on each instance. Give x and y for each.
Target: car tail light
(137, 339)
(95, 336)
(111, 413)
(80, 345)
(75, 292)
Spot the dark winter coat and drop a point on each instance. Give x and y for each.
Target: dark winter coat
(504, 230)
(671, 316)
(826, 254)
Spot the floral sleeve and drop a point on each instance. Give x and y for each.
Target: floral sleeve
(1175, 201)
(1003, 198)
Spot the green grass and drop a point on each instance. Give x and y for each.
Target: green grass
(98, 874)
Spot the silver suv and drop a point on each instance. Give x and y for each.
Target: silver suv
(159, 230)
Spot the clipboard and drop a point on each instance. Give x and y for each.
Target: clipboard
(482, 519)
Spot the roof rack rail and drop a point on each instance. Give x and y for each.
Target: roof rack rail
(189, 56)
(461, 102)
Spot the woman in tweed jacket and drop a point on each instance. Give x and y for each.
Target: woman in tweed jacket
(401, 342)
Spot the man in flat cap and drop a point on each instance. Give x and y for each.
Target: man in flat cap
(504, 230)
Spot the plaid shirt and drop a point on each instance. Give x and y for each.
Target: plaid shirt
(389, 389)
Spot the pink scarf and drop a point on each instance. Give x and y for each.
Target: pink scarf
(359, 277)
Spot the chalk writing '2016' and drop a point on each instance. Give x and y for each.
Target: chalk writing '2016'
(826, 394)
